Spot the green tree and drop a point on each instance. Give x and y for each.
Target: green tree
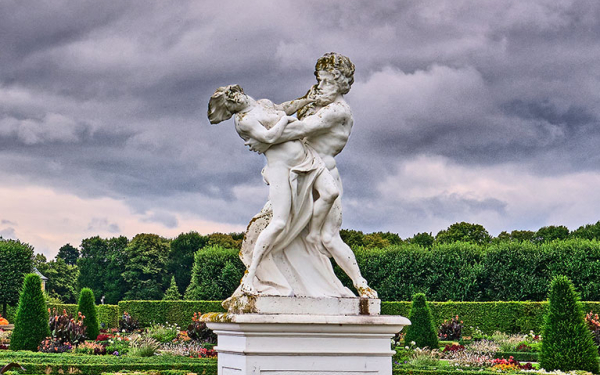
(39, 262)
(422, 330)
(69, 254)
(181, 257)
(225, 240)
(216, 274)
(588, 232)
(93, 263)
(15, 262)
(465, 232)
(114, 284)
(101, 266)
(567, 343)
(31, 322)
(87, 307)
(353, 238)
(145, 267)
(172, 293)
(62, 280)
(551, 233)
(423, 239)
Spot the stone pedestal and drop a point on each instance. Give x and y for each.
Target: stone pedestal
(302, 344)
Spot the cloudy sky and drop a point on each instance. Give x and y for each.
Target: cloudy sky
(485, 112)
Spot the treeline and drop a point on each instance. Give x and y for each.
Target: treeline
(193, 266)
(117, 268)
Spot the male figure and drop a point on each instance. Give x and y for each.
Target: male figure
(264, 121)
(326, 126)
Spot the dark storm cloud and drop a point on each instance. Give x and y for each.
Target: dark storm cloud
(109, 98)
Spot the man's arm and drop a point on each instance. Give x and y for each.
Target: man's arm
(293, 105)
(326, 118)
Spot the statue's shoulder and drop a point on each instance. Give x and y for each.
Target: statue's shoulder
(339, 109)
(266, 103)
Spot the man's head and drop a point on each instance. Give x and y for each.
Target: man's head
(226, 101)
(340, 67)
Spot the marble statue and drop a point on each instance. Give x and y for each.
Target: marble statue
(287, 245)
(291, 314)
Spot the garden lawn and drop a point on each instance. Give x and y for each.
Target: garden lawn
(66, 363)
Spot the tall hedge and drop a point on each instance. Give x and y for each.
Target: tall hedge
(422, 330)
(87, 307)
(31, 323)
(567, 343)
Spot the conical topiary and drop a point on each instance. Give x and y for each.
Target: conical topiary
(422, 330)
(172, 294)
(31, 322)
(87, 307)
(567, 342)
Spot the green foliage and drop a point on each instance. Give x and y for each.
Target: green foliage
(216, 274)
(464, 232)
(108, 316)
(145, 260)
(175, 312)
(172, 294)
(224, 240)
(422, 330)
(87, 307)
(163, 333)
(567, 343)
(101, 265)
(422, 239)
(181, 257)
(62, 280)
(515, 235)
(15, 262)
(69, 254)
(66, 363)
(588, 232)
(551, 233)
(31, 323)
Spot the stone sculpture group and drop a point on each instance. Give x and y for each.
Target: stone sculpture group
(287, 245)
(291, 314)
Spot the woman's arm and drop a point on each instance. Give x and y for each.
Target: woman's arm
(251, 127)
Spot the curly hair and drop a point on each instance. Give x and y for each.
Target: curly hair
(335, 62)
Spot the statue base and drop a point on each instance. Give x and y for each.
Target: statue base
(286, 344)
(247, 304)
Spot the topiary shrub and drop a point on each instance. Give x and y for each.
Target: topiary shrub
(567, 343)
(172, 294)
(421, 331)
(87, 307)
(31, 322)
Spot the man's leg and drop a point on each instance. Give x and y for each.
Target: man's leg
(327, 189)
(341, 253)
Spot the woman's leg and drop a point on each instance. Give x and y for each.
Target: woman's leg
(280, 195)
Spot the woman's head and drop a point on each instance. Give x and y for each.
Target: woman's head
(226, 101)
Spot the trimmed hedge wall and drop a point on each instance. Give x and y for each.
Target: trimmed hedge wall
(65, 363)
(180, 312)
(489, 317)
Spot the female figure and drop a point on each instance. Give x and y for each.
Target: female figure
(264, 122)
